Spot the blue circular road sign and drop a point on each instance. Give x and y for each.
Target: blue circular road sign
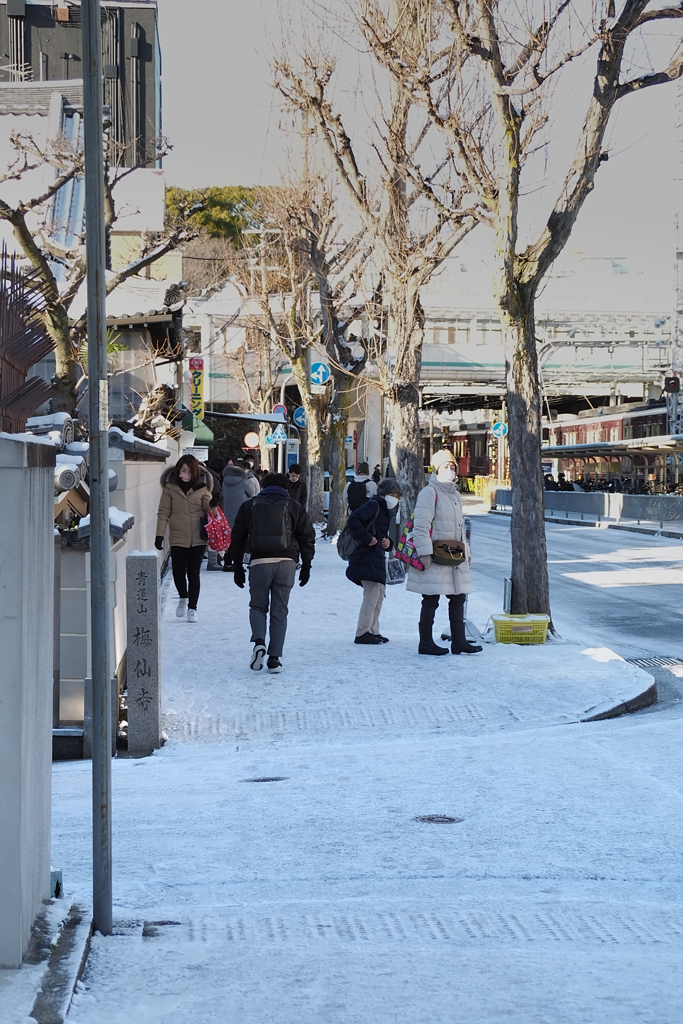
(299, 417)
(499, 429)
(320, 373)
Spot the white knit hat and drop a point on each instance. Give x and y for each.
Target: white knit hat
(441, 457)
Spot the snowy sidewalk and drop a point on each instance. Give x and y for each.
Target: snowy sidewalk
(320, 898)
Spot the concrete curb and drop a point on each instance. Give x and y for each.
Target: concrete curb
(65, 966)
(627, 707)
(652, 531)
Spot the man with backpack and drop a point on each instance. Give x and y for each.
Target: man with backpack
(277, 531)
(360, 489)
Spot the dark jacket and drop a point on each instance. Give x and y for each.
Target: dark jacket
(298, 491)
(216, 489)
(303, 534)
(236, 489)
(368, 563)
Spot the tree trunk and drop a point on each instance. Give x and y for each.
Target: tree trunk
(530, 590)
(66, 367)
(405, 330)
(406, 447)
(265, 449)
(339, 420)
(314, 440)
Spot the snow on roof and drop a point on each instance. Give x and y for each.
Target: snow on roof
(119, 523)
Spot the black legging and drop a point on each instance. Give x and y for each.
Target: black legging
(186, 564)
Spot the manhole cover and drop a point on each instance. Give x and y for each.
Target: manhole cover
(268, 778)
(438, 819)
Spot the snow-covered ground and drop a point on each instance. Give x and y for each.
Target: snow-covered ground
(320, 898)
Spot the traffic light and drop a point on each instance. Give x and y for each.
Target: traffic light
(672, 385)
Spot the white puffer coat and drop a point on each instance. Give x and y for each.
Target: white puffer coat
(439, 508)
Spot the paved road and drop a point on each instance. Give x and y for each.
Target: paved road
(623, 589)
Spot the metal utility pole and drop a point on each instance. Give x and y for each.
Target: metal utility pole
(673, 400)
(99, 463)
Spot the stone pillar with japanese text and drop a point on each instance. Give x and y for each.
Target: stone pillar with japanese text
(143, 653)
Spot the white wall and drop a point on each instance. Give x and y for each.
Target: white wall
(26, 630)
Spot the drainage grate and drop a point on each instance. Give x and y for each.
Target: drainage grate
(268, 778)
(663, 662)
(438, 819)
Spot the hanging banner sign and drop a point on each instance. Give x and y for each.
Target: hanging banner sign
(197, 386)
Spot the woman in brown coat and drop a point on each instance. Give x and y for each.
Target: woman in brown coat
(185, 500)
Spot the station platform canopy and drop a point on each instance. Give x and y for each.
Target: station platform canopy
(664, 444)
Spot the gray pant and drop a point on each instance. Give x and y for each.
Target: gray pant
(373, 596)
(270, 582)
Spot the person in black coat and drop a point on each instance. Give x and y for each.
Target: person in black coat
(369, 527)
(296, 486)
(276, 530)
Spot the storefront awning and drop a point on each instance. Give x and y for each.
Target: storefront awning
(202, 434)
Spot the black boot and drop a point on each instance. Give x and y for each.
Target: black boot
(460, 643)
(427, 645)
(456, 617)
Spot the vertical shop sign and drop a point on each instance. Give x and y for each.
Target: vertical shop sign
(197, 387)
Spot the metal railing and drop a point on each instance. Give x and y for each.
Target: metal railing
(646, 508)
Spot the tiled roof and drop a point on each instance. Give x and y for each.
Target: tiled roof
(34, 97)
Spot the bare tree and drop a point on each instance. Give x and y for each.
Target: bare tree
(487, 74)
(403, 211)
(255, 365)
(61, 271)
(276, 275)
(336, 267)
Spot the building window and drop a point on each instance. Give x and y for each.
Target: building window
(614, 433)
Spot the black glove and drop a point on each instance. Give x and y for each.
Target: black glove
(159, 543)
(304, 574)
(239, 576)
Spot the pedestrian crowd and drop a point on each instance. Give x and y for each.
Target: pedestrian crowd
(262, 518)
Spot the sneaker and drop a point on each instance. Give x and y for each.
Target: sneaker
(384, 639)
(368, 638)
(274, 664)
(214, 568)
(257, 656)
(182, 607)
(191, 614)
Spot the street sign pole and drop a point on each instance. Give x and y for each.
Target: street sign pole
(99, 464)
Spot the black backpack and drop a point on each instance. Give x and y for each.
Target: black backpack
(346, 545)
(271, 525)
(356, 494)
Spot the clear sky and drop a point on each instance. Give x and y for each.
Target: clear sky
(223, 120)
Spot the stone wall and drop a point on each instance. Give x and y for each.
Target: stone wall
(138, 492)
(26, 681)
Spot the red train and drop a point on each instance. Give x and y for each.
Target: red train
(476, 449)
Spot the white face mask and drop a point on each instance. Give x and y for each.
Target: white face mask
(446, 474)
(391, 500)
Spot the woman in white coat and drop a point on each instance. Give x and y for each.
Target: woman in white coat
(438, 516)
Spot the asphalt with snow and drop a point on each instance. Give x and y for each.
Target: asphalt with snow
(320, 898)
